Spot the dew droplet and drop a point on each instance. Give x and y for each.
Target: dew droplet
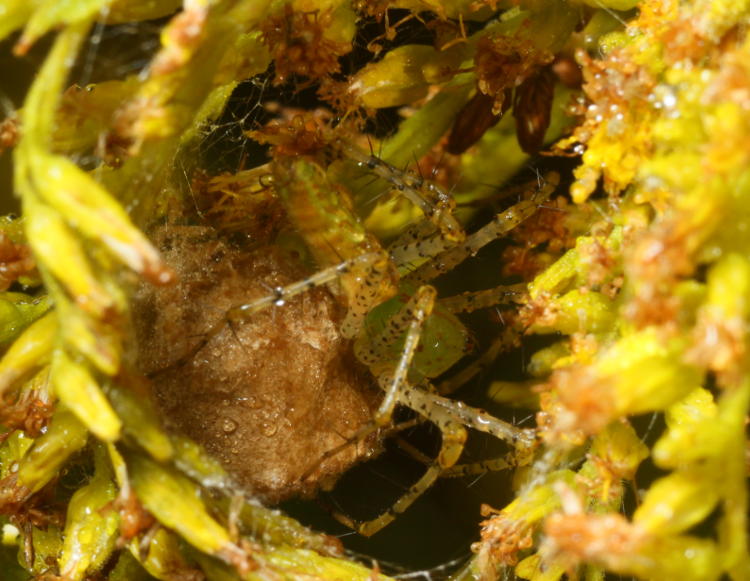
(229, 426)
(268, 429)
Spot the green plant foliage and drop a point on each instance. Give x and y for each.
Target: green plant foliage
(632, 271)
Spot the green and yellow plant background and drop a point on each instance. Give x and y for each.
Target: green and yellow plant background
(643, 299)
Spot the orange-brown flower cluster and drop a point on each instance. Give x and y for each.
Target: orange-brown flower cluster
(591, 538)
(30, 413)
(547, 228)
(501, 540)
(16, 261)
(295, 133)
(577, 404)
(299, 45)
(503, 63)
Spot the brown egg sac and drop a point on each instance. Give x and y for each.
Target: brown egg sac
(267, 396)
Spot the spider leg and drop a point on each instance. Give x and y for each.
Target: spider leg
(431, 405)
(278, 296)
(373, 285)
(471, 301)
(372, 351)
(509, 460)
(503, 223)
(420, 242)
(454, 436)
(507, 339)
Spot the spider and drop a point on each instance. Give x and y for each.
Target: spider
(401, 331)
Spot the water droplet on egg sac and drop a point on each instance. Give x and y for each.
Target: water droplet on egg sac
(268, 429)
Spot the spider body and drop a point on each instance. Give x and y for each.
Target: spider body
(444, 339)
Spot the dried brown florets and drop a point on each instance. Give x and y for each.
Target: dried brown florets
(442, 170)
(337, 94)
(299, 45)
(472, 121)
(10, 132)
(131, 125)
(503, 63)
(16, 260)
(181, 37)
(732, 79)
(239, 202)
(269, 396)
(134, 519)
(27, 509)
(719, 345)
(601, 262)
(541, 310)
(567, 70)
(615, 87)
(492, 4)
(546, 227)
(30, 413)
(296, 133)
(378, 9)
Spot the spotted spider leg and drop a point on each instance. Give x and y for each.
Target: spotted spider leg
(500, 225)
(474, 300)
(418, 242)
(507, 339)
(278, 297)
(374, 352)
(424, 241)
(398, 391)
(523, 440)
(506, 462)
(510, 460)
